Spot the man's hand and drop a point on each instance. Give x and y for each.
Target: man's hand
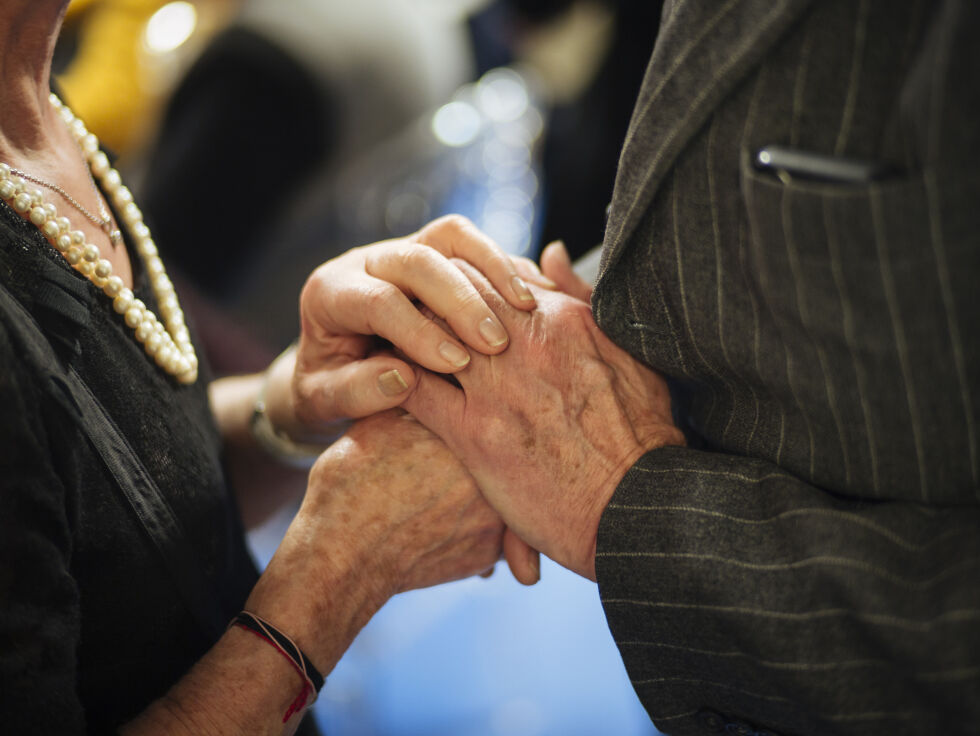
(551, 426)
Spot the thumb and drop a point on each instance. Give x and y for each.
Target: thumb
(557, 266)
(524, 560)
(357, 388)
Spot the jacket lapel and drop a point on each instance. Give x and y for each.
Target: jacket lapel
(703, 49)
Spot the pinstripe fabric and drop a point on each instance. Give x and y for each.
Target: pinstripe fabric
(811, 564)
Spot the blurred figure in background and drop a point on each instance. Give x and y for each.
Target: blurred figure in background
(590, 56)
(289, 90)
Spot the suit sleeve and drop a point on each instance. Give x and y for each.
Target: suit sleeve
(732, 587)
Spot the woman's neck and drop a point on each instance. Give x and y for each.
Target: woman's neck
(28, 33)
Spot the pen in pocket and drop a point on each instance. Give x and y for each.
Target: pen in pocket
(796, 164)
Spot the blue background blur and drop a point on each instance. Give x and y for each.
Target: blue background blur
(481, 657)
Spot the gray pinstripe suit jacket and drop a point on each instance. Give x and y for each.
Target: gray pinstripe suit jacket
(811, 563)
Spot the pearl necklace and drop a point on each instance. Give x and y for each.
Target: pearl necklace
(168, 342)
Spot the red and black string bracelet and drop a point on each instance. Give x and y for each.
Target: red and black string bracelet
(313, 680)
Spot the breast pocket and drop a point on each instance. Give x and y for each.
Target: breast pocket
(860, 284)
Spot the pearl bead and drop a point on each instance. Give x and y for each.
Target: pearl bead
(113, 286)
(50, 229)
(154, 266)
(78, 238)
(74, 256)
(148, 248)
(133, 316)
(162, 283)
(162, 356)
(99, 164)
(87, 268)
(39, 216)
(20, 184)
(22, 202)
(123, 302)
(112, 180)
(103, 268)
(131, 213)
(169, 304)
(7, 189)
(64, 224)
(153, 343)
(90, 252)
(123, 196)
(144, 330)
(51, 210)
(63, 243)
(90, 144)
(141, 231)
(4, 171)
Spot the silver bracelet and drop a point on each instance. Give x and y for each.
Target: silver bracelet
(275, 442)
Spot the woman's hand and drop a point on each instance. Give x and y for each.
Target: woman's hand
(338, 373)
(388, 508)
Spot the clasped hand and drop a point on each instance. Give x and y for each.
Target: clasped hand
(551, 426)
(544, 418)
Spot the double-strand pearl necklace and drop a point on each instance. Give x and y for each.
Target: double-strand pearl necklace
(167, 342)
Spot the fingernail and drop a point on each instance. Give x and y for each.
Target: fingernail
(454, 354)
(536, 565)
(391, 383)
(493, 332)
(520, 288)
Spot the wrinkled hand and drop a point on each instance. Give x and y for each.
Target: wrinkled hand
(374, 291)
(391, 495)
(550, 427)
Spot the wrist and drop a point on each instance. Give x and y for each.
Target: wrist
(320, 587)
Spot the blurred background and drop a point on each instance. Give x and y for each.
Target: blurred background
(263, 137)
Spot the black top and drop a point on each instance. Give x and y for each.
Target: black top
(92, 627)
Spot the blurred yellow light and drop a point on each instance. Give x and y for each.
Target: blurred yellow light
(170, 27)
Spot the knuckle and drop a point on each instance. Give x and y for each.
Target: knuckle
(455, 223)
(379, 297)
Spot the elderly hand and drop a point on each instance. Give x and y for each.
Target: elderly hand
(389, 508)
(550, 427)
(371, 291)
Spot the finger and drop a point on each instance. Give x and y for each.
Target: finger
(524, 560)
(380, 308)
(358, 388)
(455, 236)
(438, 406)
(428, 276)
(557, 266)
(487, 573)
(531, 273)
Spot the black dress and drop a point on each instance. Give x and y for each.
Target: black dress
(92, 625)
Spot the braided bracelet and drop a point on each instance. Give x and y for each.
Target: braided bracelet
(313, 680)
